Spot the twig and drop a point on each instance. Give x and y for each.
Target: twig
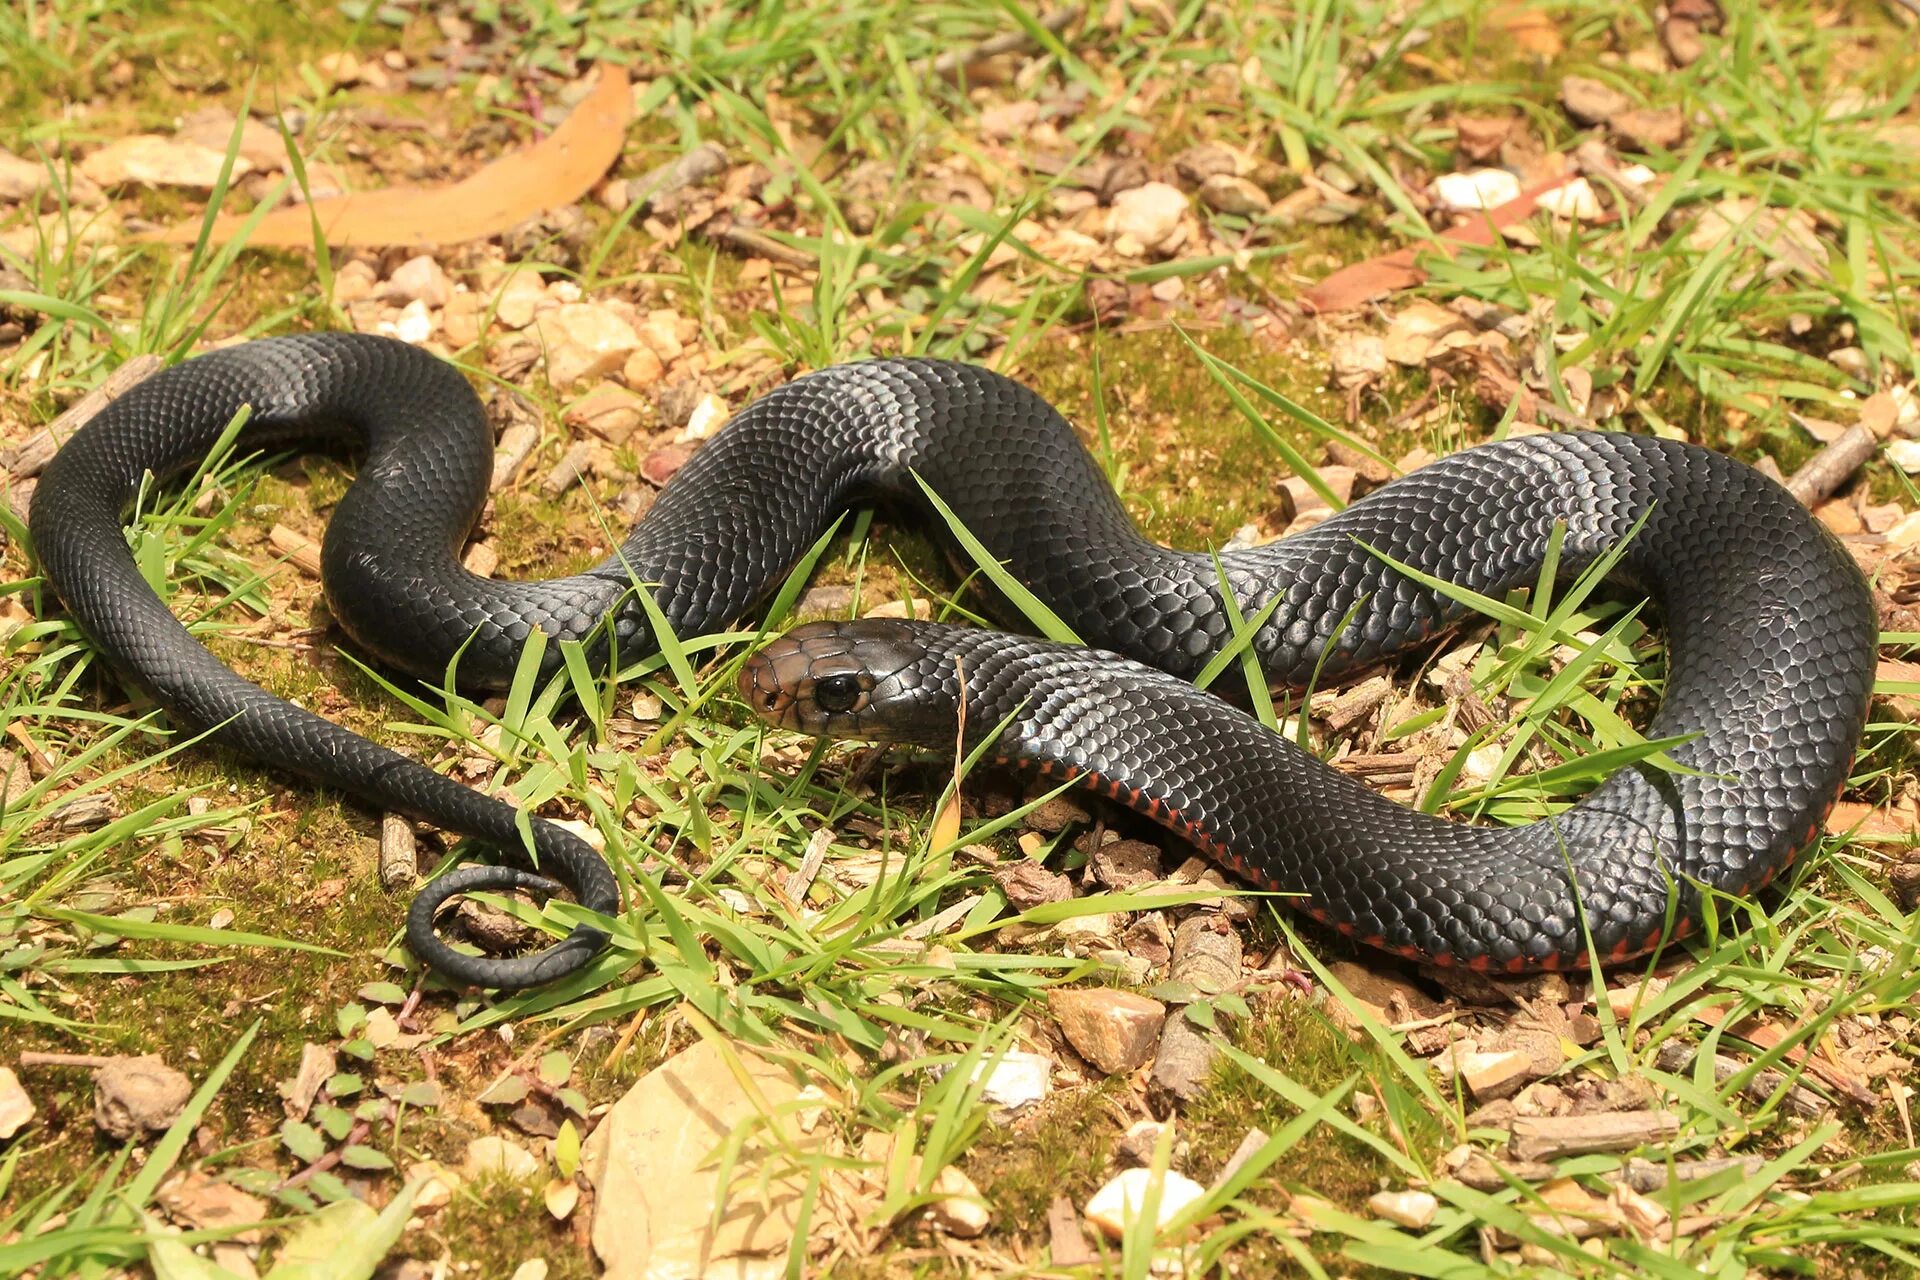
(1828, 469)
(35, 1058)
(757, 244)
(699, 164)
(356, 1134)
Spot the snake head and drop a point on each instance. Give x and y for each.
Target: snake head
(867, 679)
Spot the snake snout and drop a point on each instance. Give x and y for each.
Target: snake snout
(838, 680)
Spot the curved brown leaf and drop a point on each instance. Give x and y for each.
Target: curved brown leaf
(558, 169)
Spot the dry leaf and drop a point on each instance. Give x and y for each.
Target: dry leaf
(1361, 283)
(557, 170)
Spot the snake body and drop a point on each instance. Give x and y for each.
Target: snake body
(1770, 630)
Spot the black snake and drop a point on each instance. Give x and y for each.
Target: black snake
(1770, 632)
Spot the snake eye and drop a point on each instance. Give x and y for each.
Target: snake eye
(836, 693)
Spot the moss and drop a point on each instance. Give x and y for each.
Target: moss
(1061, 1150)
(493, 1226)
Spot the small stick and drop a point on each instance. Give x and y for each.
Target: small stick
(1828, 469)
(572, 466)
(699, 164)
(756, 244)
(34, 1058)
(516, 445)
(303, 551)
(801, 878)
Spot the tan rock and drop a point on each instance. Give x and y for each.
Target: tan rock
(961, 1211)
(1226, 193)
(583, 341)
(418, 279)
(611, 412)
(1124, 865)
(1117, 1204)
(708, 416)
(134, 1096)
(438, 1186)
(1487, 1075)
(661, 332)
(655, 1188)
(24, 178)
(354, 281)
(1114, 1030)
(56, 232)
(260, 144)
(16, 1108)
(1905, 531)
(642, 369)
(521, 296)
(1149, 218)
(464, 318)
(208, 1204)
(148, 159)
(1592, 101)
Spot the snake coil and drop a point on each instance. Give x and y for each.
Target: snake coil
(1770, 627)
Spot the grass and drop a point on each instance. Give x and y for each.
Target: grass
(885, 978)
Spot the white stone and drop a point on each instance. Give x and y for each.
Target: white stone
(414, 324)
(1015, 1080)
(1413, 1210)
(1475, 189)
(1116, 1205)
(16, 1108)
(708, 417)
(1577, 201)
(1905, 455)
(960, 1211)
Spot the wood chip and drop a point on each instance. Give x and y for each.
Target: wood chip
(1763, 1087)
(1249, 1146)
(399, 856)
(1547, 1137)
(1184, 1060)
(1206, 954)
(516, 446)
(297, 547)
(1066, 1241)
(1016, 41)
(1649, 1176)
(802, 877)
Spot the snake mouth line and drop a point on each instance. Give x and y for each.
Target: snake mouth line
(763, 688)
